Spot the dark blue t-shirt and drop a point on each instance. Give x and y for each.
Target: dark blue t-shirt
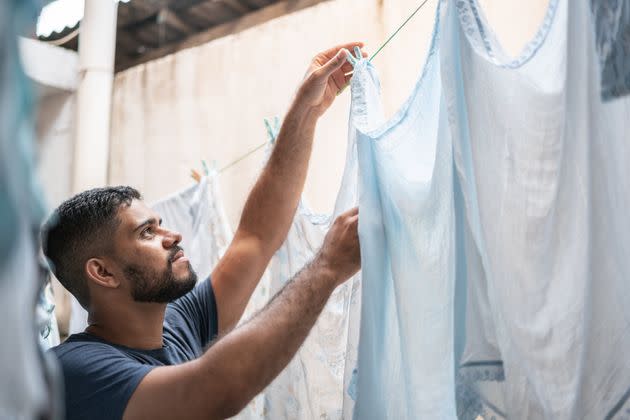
(100, 377)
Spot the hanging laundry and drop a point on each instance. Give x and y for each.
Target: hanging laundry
(312, 385)
(27, 384)
(407, 232)
(611, 20)
(523, 254)
(197, 213)
(46, 320)
(78, 317)
(542, 165)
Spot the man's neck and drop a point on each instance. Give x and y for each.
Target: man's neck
(138, 325)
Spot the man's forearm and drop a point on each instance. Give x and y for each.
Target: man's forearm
(244, 361)
(271, 205)
(250, 357)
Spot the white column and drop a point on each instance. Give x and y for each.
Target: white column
(97, 44)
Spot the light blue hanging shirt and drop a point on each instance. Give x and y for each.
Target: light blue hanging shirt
(407, 233)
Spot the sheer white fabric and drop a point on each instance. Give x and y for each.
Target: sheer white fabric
(532, 310)
(46, 319)
(28, 387)
(407, 231)
(545, 180)
(312, 385)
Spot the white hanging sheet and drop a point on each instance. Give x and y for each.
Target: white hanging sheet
(516, 270)
(542, 164)
(312, 385)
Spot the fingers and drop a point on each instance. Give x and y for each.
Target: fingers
(354, 224)
(334, 59)
(333, 64)
(352, 212)
(331, 52)
(347, 68)
(339, 79)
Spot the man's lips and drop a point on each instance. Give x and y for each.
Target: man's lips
(178, 256)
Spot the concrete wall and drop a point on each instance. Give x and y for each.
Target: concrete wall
(209, 102)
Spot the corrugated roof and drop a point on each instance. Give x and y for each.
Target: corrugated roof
(58, 15)
(150, 28)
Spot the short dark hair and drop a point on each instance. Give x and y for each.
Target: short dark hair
(78, 229)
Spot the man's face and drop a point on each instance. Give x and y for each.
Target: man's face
(149, 256)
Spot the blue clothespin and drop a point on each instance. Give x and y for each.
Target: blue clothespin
(354, 59)
(273, 130)
(206, 171)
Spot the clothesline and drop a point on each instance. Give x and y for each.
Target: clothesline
(246, 155)
(260, 146)
(392, 36)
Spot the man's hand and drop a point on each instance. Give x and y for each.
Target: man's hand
(270, 207)
(340, 252)
(230, 371)
(326, 77)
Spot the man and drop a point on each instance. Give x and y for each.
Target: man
(145, 353)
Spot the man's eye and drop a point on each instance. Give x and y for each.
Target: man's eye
(147, 232)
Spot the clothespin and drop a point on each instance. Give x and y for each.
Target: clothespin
(207, 170)
(272, 131)
(354, 60)
(195, 175)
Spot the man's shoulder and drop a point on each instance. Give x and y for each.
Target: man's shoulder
(82, 351)
(99, 377)
(79, 342)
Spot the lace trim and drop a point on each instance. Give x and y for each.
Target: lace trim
(470, 404)
(484, 42)
(362, 76)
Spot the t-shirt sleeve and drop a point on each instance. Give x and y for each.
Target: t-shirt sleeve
(99, 380)
(197, 313)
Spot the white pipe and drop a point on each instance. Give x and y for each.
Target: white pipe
(97, 44)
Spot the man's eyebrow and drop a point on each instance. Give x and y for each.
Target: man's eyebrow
(150, 221)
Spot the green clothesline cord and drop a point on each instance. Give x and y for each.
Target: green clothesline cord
(257, 148)
(370, 60)
(398, 30)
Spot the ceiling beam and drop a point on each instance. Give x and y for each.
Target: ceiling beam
(237, 6)
(127, 43)
(171, 19)
(252, 19)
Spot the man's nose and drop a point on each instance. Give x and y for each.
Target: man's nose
(171, 238)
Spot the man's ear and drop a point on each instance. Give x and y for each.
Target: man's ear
(98, 272)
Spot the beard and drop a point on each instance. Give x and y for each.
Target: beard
(149, 285)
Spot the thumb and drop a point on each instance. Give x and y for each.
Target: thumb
(334, 63)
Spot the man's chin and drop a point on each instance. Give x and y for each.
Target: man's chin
(189, 274)
(164, 288)
(189, 277)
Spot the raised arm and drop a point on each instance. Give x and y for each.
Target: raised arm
(271, 205)
(240, 365)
